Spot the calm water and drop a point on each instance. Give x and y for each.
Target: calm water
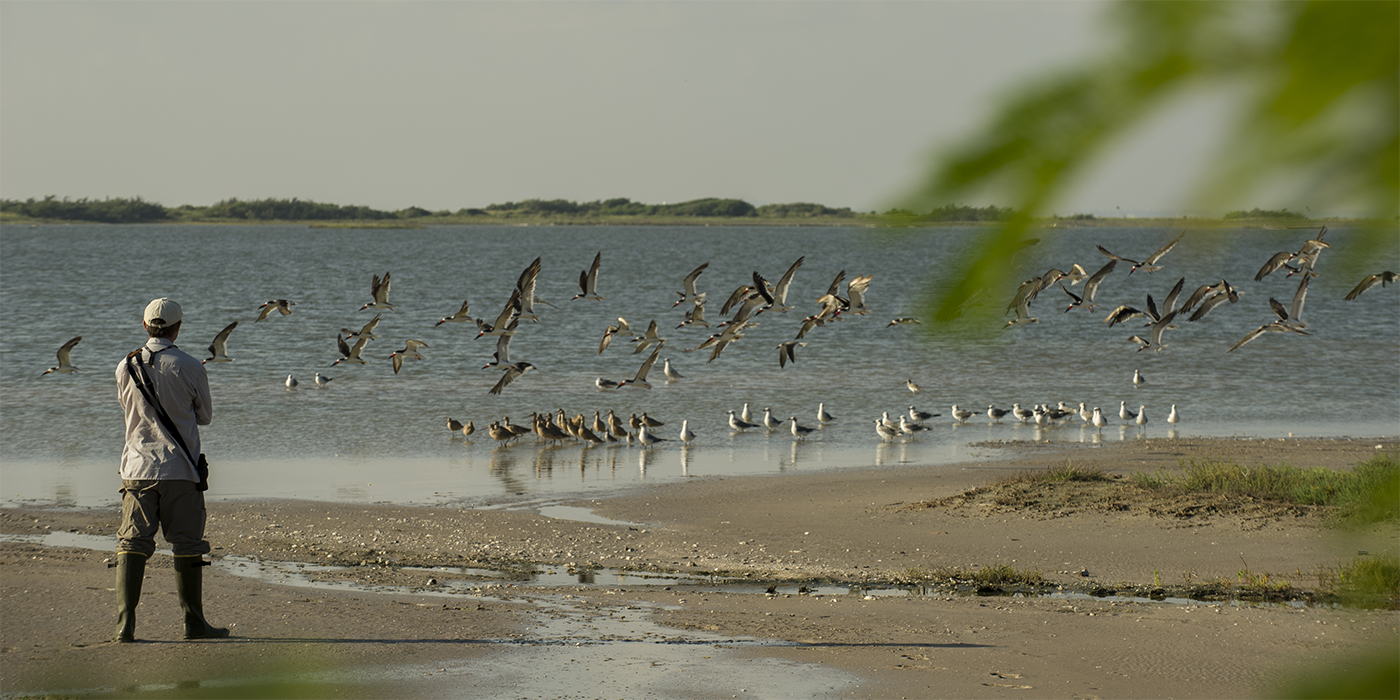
(373, 435)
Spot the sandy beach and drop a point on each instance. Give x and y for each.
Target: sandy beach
(393, 628)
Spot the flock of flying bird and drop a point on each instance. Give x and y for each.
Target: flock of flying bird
(748, 301)
(1203, 300)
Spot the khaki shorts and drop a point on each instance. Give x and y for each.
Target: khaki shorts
(175, 507)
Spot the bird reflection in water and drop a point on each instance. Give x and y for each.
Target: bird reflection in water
(503, 464)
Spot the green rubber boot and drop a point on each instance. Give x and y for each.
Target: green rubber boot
(189, 587)
(131, 570)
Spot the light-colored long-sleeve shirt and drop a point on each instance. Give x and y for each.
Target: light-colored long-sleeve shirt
(183, 389)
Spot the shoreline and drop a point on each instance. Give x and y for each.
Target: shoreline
(867, 221)
(849, 525)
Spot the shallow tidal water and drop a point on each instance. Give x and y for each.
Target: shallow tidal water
(371, 435)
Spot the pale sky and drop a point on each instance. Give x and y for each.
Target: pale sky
(446, 105)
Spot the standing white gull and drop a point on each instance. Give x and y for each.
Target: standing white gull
(739, 424)
(800, 431)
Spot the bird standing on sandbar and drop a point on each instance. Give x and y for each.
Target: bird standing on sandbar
(739, 424)
(800, 431)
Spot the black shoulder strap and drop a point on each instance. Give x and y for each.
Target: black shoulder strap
(148, 390)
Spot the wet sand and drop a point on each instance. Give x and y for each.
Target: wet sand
(851, 527)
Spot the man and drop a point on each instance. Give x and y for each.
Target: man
(161, 484)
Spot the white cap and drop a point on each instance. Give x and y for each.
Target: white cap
(162, 312)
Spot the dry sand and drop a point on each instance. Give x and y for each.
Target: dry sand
(852, 526)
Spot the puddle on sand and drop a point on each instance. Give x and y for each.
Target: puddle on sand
(293, 574)
(567, 651)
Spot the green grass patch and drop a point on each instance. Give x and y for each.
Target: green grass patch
(1370, 492)
(1068, 471)
(1369, 582)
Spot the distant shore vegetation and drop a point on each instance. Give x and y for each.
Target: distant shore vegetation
(707, 211)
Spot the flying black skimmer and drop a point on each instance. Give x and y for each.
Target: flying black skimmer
(218, 350)
(379, 290)
(776, 296)
(588, 280)
(787, 352)
(351, 354)
(366, 331)
(641, 378)
(688, 284)
(502, 322)
(510, 375)
(1275, 327)
(903, 320)
(1383, 279)
(65, 359)
(409, 351)
(1091, 288)
(502, 354)
(463, 314)
(695, 316)
(281, 305)
(856, 291)
(525, 292)
(1149, 265)
(650, 338)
